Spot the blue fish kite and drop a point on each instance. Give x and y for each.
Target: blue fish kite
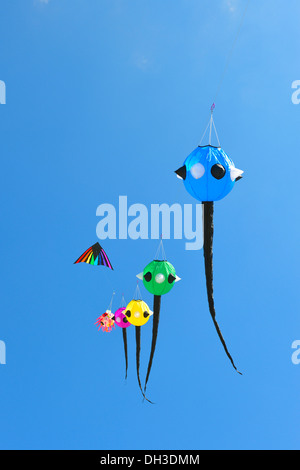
(209, 175)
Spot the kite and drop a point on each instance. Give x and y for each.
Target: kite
(138, 313)
(106, 321)
(120, 319)
(96, 256)
(158, 277)
(209, 175)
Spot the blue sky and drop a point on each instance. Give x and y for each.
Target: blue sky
(107, 98)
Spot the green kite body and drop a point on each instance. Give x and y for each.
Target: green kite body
(159, 277)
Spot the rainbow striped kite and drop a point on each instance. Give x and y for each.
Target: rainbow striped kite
(96, 256)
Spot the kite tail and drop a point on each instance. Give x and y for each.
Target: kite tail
(208, 208)
(156, 312)
(125, 349)
(138, 350)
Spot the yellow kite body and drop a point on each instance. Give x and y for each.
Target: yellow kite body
(138, 312)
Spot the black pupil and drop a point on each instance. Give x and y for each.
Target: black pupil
(218, 171)
(148, 277)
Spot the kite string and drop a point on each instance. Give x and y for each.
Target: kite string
(231, 52)
(204, 133)
(137, 292)
(211, 121)
(111, 301)
(211, 125)
(216, 133)
(123, 302)
(160, 249)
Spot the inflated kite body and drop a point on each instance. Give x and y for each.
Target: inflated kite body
(209, 175)
(105, 321)
(138, 312)
(159, 277)
(121, 319)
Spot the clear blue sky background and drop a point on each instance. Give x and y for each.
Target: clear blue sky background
(107, 98)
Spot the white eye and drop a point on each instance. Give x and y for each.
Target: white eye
(136, 314)
(118, 319)
(197, 171)
(159, 278)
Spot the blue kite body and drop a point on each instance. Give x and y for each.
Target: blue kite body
(208, 173)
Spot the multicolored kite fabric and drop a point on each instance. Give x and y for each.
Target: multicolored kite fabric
(96, 256)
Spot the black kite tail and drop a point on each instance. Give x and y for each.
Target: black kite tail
(125, 349)
(156, 312)
(138, 350)
(208, 223)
